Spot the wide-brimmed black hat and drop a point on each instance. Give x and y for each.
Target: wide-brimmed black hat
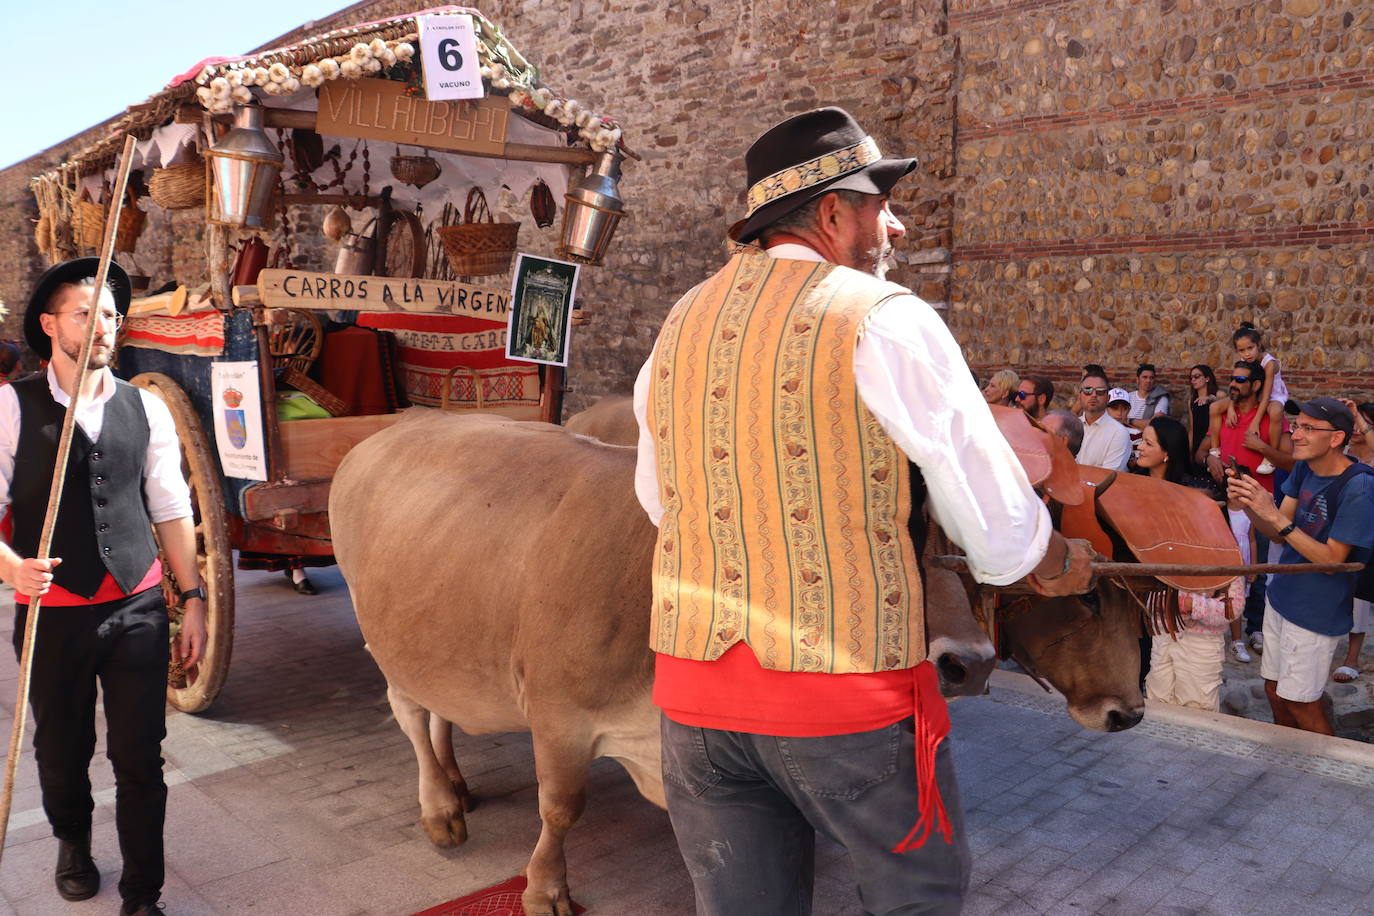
(73, 271)
(807, 155)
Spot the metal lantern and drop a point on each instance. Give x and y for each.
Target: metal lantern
(244, 166)
(593, 211)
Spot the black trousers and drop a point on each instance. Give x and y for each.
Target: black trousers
(124, 645)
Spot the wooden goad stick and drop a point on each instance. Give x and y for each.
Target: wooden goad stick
(64, 448)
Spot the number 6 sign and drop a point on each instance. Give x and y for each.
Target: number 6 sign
(448, 54)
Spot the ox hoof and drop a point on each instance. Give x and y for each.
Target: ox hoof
(538, 902)
(445, 830)
(466, 799)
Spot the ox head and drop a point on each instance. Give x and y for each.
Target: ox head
(1088, 647)
(962, 653)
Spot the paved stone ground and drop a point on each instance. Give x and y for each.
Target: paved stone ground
(295, 795)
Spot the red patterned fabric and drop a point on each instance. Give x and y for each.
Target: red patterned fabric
(499, 900)
(428, 346)
(199, 334)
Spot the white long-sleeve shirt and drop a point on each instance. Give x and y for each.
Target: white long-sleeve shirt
(163, 484)
(912, 376)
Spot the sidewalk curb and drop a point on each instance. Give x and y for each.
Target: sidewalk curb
(1267, 734)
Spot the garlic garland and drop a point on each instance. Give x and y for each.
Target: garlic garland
(221, 86)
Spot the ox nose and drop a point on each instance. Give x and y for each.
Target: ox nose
(963, 675)
(1118, 720)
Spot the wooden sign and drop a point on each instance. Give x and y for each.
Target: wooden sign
(384, 110)
(304, 289)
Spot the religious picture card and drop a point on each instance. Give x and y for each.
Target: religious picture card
(541, 304)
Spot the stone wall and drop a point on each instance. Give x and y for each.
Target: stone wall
(1102, 180)
(1136, 178)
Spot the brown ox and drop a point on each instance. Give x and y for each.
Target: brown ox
(502, 584)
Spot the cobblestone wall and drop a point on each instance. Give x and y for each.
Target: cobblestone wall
(1136, 178)
(1102, 180)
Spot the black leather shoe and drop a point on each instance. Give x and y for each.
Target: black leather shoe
(76, 876)
(143, 909)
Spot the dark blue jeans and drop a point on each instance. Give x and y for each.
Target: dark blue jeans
(123, 645)
(1254, 602)
(746, 808)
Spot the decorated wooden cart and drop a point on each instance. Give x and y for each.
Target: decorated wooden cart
(278, 351)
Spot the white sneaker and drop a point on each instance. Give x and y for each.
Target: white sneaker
(1257, 642)
(1239, 651)
(1265, 467)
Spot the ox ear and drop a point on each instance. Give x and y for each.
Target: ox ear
(1044, 457)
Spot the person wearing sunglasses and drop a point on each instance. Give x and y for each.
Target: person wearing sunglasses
(1326, 516)
(1106, 443)
(1249, 449)
(1033, 395)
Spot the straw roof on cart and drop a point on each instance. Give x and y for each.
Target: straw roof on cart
(354, 52)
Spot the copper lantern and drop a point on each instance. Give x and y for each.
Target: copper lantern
(243, 166)
(593, 211)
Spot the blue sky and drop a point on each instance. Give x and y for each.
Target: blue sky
(94, 59)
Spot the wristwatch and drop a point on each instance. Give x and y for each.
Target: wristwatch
(1284, 532)
(197, 592)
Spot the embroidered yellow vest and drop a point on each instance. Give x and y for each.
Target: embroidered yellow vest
(786, 502)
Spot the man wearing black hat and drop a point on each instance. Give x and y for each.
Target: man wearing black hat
(779, 413)
(103, 615)
(1327, 516)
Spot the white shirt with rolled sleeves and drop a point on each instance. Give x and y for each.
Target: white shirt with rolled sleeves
(165, 488)
(1106, 444)
(911, 374)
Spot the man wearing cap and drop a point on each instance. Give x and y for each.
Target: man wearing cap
(103, 617)
(1106, 443)
(778, 414)
(1326, 516)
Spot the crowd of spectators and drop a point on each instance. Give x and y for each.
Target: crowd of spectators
(1295, 479)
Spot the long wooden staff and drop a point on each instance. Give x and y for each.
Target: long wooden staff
(64, 448)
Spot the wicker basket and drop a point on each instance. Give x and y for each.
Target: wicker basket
(417, 171)
(88, 224)
(180, 186)
(479, 249)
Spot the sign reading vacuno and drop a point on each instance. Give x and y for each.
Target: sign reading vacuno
(448, 56)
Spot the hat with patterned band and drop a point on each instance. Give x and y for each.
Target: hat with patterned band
(807, 155)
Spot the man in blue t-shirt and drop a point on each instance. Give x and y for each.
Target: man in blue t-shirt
(1327, 516)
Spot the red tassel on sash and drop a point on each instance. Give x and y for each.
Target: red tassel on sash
(932, 725)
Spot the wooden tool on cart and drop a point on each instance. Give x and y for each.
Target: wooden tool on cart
(64, 448)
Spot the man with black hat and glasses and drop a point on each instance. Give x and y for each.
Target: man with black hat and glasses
(1326, 516)
(103, 616)
(785, 397)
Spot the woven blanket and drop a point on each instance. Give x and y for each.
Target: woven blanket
(428, 346)
(199, 334)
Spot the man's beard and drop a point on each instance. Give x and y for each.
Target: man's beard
(1234, 392)
(876, 260)
(99, 358)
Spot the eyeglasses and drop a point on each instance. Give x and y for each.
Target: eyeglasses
(1240, 379)
(81, 316)
(1196, 375)
(1092, 391)
(1022, 395)
(1308, 429)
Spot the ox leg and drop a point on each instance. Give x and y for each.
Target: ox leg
(441, 812)
(441, 739)
(561, 764)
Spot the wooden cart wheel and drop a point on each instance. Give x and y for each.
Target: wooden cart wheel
(405, 246)
(213, 553)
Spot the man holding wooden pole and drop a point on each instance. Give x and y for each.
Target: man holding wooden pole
(103, 614)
